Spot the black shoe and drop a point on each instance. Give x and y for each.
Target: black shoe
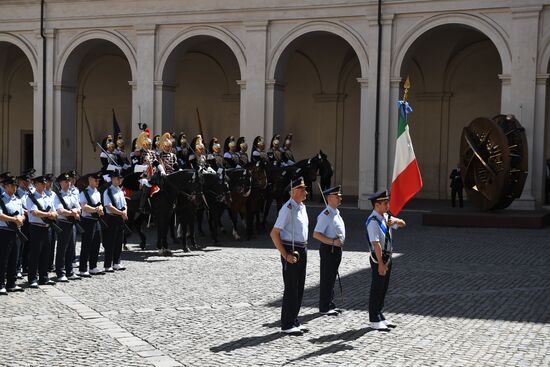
(33, 284)
(294, 331)
(186, 249)
(46, 282)
(15, 288)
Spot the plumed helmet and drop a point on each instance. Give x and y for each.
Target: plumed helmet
(214, 145)
(197, 143)
(229, 142)
(156, 139)
(241, 143)
(275, 141)
(258, 143)
(108, 143)
(120, 143)
(143, 141)
(182, 138)
(288, 140)
(166, 141)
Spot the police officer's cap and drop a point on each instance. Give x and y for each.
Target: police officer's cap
(5, 174)
(24, 176)
(115, 173)
(28, 172)
(336, 190)
(62, 177)
(7, 179)
(72, 173)
(296, 183)
(40, 179)
(49, 176)
(379, 196)
(96, 175)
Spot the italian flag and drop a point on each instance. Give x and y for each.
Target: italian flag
(406, 181)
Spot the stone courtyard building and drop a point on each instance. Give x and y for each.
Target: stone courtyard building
(329, 71)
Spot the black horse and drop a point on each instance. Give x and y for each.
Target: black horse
(240, 187)
(136, 218)
(215, 191)
(163, 203)
(189, 195)
(256, 200)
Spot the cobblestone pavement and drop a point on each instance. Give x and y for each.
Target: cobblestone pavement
(460, 297)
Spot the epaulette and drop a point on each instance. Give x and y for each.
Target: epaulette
(289, 206)
(327, 212)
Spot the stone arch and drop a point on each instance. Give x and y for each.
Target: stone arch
(496, 36)
(25, 47)
(97, 34)
(223, 35)
(347, 33)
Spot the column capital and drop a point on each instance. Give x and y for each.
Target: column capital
(274, 84)
(146, 29)
(542, 79)
(256, 26)
(165, 86)
(387, 19)
(364, 82)
(395, 81)
(526, 12)
(34, 85)
(64, 87)
(505, 79)
(48, 33)
(133, 84)
(242, 84)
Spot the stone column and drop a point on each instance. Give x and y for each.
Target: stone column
(52, 151)
(253, 111)
(165, 102)
(144, 97)
(4, 114)
(539, 168)
(524, 44)
(366, 144)
(505, 91)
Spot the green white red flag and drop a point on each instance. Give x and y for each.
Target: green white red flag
(406, 181)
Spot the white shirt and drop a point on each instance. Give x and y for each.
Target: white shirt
(376, 226)
(70, 200)
(293, 222)
(118, 196)
(95, 197)
(44, 201)
(331, 224)
(13, 204)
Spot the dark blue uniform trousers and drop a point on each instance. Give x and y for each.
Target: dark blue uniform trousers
(65, 251)
(331, 256)
(91, 240)
(294, 277)
(8, 258)
(378, 289)
(39, 253)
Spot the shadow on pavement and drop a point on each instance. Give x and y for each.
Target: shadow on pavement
(251, 341)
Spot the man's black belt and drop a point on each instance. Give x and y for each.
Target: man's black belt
(296, 243)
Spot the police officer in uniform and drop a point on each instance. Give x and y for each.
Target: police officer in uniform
(11, 215)
(289, 235)
(331, 232)
(115, 206)
(92, 211)
(379, 228)
(24, 186)
(40, 208)
(67, 206)
(75, 192)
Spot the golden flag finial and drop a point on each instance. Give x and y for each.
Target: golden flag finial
(406, 87)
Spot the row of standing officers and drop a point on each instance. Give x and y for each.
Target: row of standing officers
(290, 237)
(32, 214)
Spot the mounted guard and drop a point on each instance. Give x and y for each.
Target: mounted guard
(168, 160)
(215, 158)
(258, 150)
(230, 152)
(242, 154)
(274, 153)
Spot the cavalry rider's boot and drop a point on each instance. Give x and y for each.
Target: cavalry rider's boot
(143, 200)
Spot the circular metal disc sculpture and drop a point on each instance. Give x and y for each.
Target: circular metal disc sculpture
(493, 161)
